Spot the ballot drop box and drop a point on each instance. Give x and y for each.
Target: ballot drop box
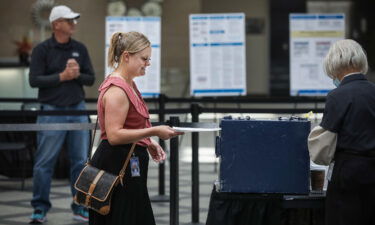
(263, 156)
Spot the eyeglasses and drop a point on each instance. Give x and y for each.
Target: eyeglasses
(145, 59)
(70, 21)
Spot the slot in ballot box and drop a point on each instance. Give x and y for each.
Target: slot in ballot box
(264, 156)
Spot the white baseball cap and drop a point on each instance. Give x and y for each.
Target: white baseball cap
(62, 11)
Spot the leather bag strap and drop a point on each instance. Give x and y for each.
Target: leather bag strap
(122, 171)
(93, 186)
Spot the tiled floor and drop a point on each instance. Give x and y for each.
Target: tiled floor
(15, 206)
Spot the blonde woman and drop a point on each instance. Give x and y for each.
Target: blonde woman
(124, 119)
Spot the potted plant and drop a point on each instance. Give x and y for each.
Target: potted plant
(24, 49)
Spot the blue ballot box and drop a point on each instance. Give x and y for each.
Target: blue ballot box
(264, 156)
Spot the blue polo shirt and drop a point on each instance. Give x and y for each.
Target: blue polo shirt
(48, 60)
(350, 112)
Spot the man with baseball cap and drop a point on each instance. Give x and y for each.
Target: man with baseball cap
(59, 67)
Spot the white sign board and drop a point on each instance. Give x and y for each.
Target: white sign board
(311, 36)
(149, 85)
(217, 54)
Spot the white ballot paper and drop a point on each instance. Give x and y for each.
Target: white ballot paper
(195, 129)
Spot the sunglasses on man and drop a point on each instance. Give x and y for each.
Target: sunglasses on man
(70, 21)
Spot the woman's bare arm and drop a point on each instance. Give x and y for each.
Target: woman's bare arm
(116, 107)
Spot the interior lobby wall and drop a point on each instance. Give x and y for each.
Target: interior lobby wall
(175, 46)
(257, 38)
(15, 22)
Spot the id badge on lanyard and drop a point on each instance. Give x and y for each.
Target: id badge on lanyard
(134, 166)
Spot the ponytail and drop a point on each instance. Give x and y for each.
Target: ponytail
(113, 52)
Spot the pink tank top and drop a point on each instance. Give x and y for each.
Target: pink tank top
(138, 116)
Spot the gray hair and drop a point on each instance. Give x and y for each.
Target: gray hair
(345, 55)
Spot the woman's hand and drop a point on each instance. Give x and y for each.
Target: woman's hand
(166, 132)
(156, 152)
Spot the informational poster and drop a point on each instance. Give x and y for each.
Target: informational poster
(311, 36)
(149, 84)
(217, 54)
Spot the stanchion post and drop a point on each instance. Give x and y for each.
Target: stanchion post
(174, 198)
(161, 197)
(195, 111)
(162, 144)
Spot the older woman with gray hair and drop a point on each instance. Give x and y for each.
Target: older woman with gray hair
(345, 138)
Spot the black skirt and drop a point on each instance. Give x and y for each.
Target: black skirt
(130, 203)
